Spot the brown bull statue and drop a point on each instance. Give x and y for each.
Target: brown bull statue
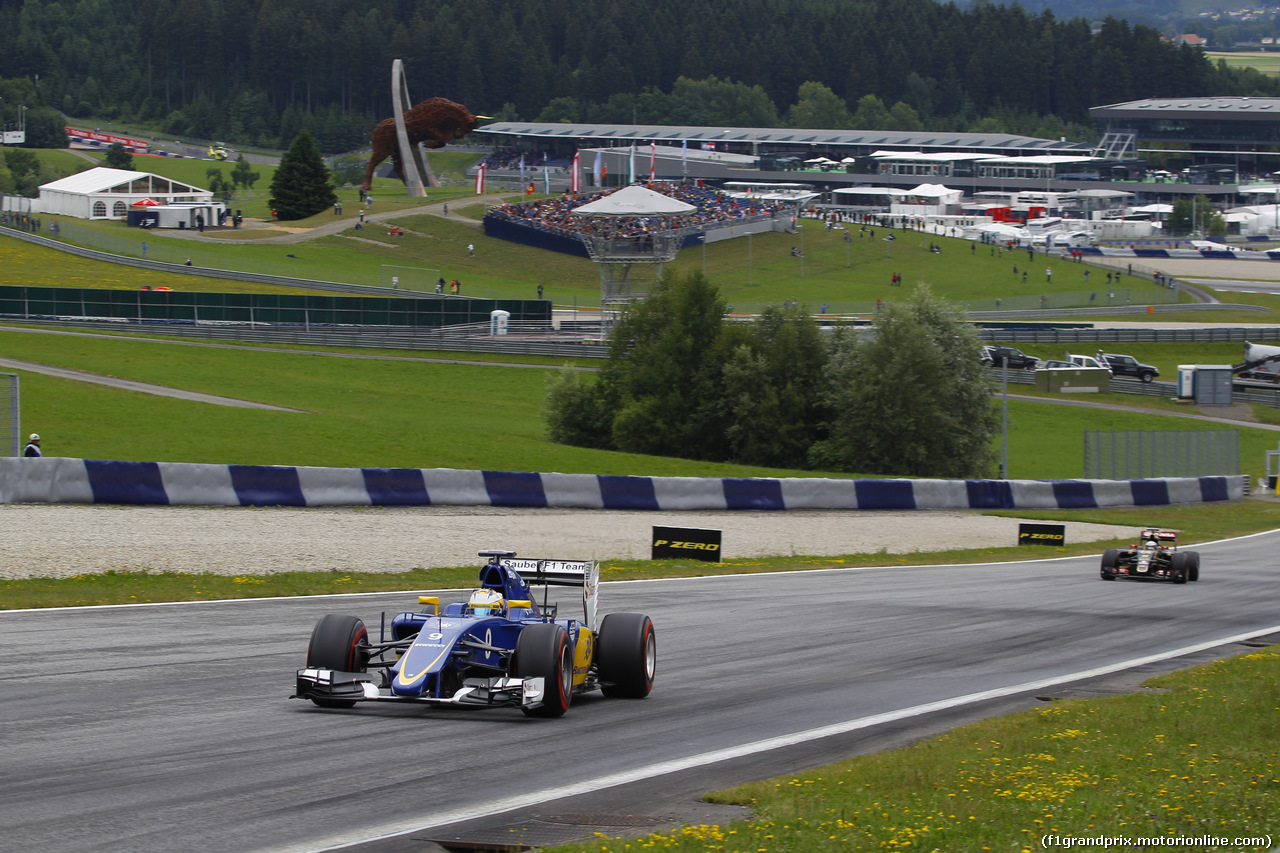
(435, 122)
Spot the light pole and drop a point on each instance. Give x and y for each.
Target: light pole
(800, 228)
(1004, 420)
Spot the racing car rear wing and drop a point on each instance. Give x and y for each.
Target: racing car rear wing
(544, 572)
(550, 572)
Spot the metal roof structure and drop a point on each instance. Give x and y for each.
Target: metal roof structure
(776, 137)
(1237, 109)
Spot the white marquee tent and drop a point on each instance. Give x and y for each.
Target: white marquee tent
(103, 193)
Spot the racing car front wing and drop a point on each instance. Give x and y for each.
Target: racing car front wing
(328, 684)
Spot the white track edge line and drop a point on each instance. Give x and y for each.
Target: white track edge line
(742, 750)
(636, 580)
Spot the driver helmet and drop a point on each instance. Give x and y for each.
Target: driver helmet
(486, 602)
(1151, 543)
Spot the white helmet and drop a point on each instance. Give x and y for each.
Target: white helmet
(486, 602)
(35, 436)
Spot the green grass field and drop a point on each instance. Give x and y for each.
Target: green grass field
(1193, 756)
(407, 413)
(750, 272)
(1266, 62)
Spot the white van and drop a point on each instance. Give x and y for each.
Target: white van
(1070, 239)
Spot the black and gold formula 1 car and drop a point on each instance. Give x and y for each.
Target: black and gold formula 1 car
(1154, 557)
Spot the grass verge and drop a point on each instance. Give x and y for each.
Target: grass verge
(411, 413)
(1197, 523)
(1194, 757)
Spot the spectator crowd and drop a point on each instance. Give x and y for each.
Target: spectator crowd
(713, 207)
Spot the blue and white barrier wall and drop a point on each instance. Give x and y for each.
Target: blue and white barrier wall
(1162, 250)
(87, 481)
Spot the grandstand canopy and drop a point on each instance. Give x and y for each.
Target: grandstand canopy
(635, 201)
(776, 138)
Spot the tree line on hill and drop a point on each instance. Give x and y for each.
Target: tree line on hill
(911, 399)
(259, 71)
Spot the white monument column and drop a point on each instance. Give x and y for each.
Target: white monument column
(412, 163)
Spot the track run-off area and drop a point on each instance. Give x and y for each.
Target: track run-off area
(164, 727)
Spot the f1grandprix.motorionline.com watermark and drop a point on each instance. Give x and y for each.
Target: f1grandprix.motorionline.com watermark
(1199, 842)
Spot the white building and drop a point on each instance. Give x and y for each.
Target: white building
(111, 193)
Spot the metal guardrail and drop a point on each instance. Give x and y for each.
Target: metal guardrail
(1126, 385)
(1132, 335)
(209, 272)
(355, 337)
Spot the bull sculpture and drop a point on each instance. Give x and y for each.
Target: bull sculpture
(435, 122)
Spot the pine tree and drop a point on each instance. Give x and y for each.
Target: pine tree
(118, 158)
(302, 185)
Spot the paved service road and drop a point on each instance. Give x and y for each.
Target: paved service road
(161, 728)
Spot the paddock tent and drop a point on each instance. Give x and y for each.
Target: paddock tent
(635, 200)
(108, 193)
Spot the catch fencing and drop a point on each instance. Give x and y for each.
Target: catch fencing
(1065, 335)
(10, 415)
(1105, 301)
(254, 309)
(1145, 454)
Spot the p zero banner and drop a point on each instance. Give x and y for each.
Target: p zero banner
(685, 543)
(1042, 534)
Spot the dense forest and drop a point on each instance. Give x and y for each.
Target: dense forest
(257, 71)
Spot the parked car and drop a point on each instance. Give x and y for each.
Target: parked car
(1127, 365)
(1086, 361)
(997, 355)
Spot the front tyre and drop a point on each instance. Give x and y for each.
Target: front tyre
(1178, 567)
(1147, 376)
(1110, 558)
(542, 651)
(340, 643)
(626, 655)
(1193, 565)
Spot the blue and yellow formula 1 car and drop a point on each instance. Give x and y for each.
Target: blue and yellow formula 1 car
(498, 648)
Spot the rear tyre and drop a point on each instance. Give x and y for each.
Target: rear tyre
(1193, 565)
(627, 655)
(1110, 558)
(1178, 566)
(339, 643)
(542, 651)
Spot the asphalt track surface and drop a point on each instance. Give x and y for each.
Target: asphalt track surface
(167, 727)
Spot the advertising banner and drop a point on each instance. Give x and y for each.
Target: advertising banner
(94, 137)
(1042, 534)
(688, 543)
